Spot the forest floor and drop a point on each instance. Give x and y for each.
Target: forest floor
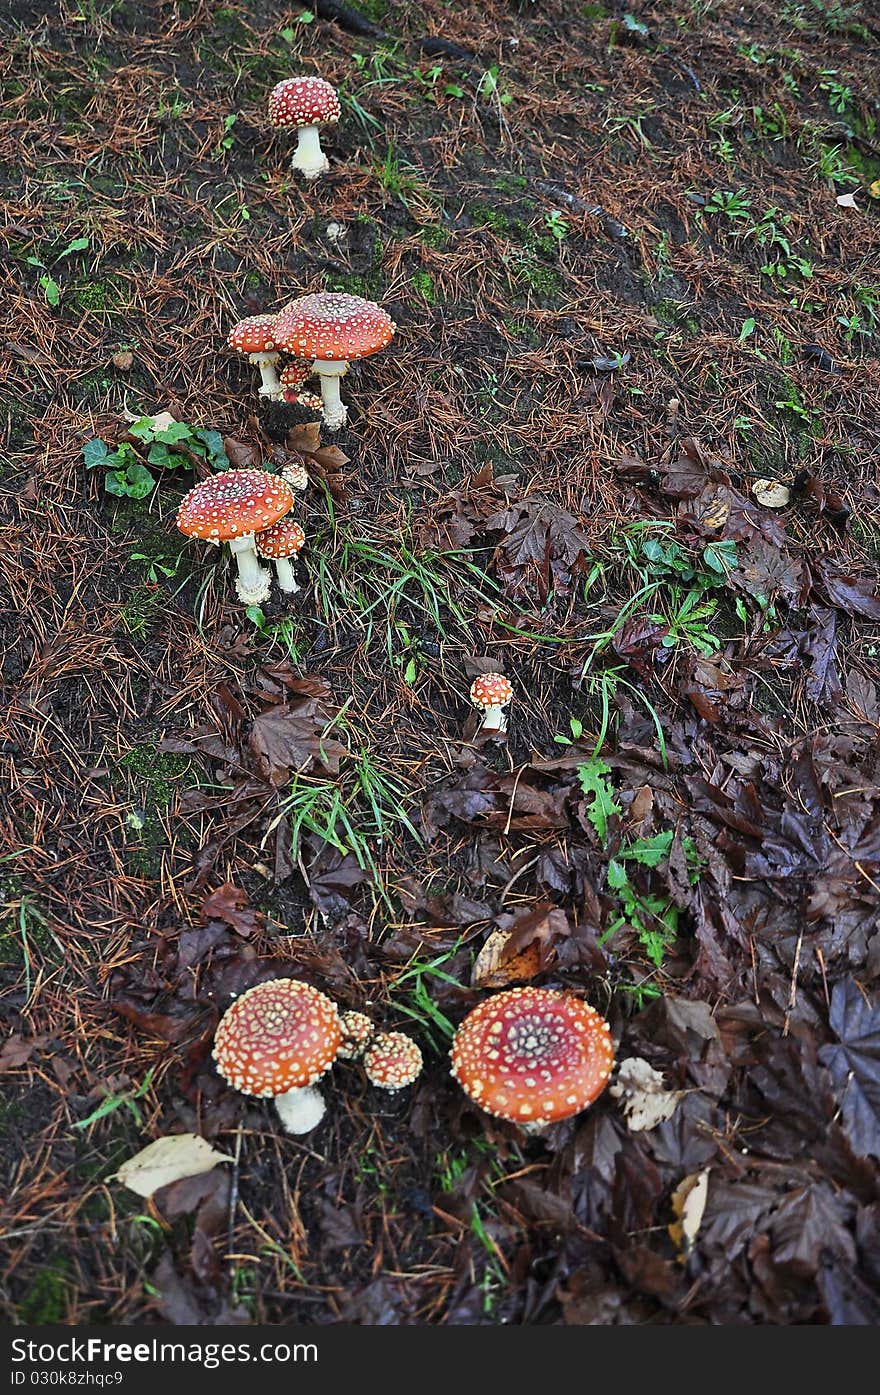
(626, 291)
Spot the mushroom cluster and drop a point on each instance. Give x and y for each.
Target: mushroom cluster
(233, 507)
(323, 334)
(280, 1038)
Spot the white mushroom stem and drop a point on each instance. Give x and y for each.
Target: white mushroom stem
(494, 719)
(301, 1110)
(286, 578)
(254, 582)
(308, 157)
(270, 386)
(335, 413)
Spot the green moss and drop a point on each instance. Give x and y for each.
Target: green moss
(48, 1298)
(104, 297)
(154, 776)
(155, 771)
(374, 10)
(867, 537)
(541, 279)
(511, 183)
(144, 607)
(671, 312)
(434, 236)
(423, 284)
(486, 217)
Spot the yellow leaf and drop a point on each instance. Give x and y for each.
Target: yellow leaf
(688, 1203)
(167, 1160)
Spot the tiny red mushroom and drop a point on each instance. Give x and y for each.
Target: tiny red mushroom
(332, 330)
(357, 1030)
(231, 507)
(392, 1061)
(255, 337)
(293, 377)
(533, 1056)
(304, 104)
(277, 1041)
(491, 692)
(279, 543)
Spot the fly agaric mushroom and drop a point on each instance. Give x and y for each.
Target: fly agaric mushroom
(231, 507)
(296, 476)
(305, 104)
(281, 542)
(357, 1030)
(293, 377)
(332, 330)
(392, 1061)
(533, 1056)
(492, 692)
(276, 1041)
(255, 337)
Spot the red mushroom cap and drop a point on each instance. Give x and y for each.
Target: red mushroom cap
(392, 1061)
(279, 1036)
(293, 375)
(357, 1029)
(303, 101)
(491, 690)
(533, 1055)
(255, 335)
(333, 326)
(283, 539)
(234, 503)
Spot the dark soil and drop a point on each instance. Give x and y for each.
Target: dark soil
(625, 292)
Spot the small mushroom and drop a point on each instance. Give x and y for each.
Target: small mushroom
(491, 692)
(392, 1061)
(357, 1030)
(231, 507)
(255, 337)
(297, 476)
(533, 1056)
(292, 379)
(332, 330)
(305, 104)
(279, 543)
(277, 1041)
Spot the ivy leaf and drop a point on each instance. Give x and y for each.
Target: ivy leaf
(177, 431)
(95, 452)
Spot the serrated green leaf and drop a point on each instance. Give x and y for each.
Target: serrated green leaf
(617, 878)
(593, 775)
(649, 852)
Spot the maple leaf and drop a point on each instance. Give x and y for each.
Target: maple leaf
(284, 739)
(854, 1063)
